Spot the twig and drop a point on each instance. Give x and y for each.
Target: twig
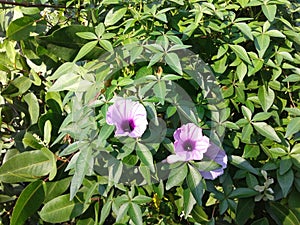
(289, 93)
(28, 4)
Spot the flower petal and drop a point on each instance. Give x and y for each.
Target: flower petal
(127, 110)
(211, 175)
(192, 134)
(113, 115)
(219, 156)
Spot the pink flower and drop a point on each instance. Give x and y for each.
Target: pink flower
(219, 156)
(189, 144)
(129, 117)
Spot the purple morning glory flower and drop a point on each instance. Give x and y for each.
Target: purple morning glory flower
(189, 144)
(129, 117)
(219, 156)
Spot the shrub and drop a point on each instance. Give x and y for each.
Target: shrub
(230, 68)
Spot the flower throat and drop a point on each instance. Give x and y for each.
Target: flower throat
(128, 125)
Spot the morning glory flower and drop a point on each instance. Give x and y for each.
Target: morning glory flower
(129, 117)
(219, 156)
(189, 144)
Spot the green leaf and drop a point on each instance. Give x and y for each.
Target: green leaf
(294, 200)
(261, 116)
(56, 188)
(242, 164)
(66, 68)
(194, 181)
(141, 199)
(199, 214)
(33, 107)
(28, 202)
(144, 71)
(122, 211)
(262, 43)
(292, 77)
(269, 11)
(6, 198)
(61, 209)
(106, 45)
(231, 125)
(21, 28)
(73, 147)
(246, 30)
(281, 214)
(266, 97)
(114, 15)
(145, 156)
(105, 212)
(187, 112)
(160, 90)
(86, 221)
(251, 151)
(136, 53)
(171, 77)
(277, 152)
(65, 43)
(176, 176)
(247, 113)
(52, 159)
(25, 167)
(244, 210)
(159, 189)
(155, 58)
(206, 165)
(87, 35)
(47, 131)
(220, 65)
(246, 133)
(285, 181)
(83, 166)
(85, 50)
(17, 87)
(162, 17)
(293, 111)
(266, 130)
(285, 164)
(241, 53)
(257, 65)
(275, 33)
(188, 202)
(171, 110)
(241, 71)
(293, 127)
(173, 61)
(135, 214)
(31, 141)
(223, 206)
(179, 2)
(105, 132)
(243, 3)
(68, 82)
(243, 193)
(100, 29)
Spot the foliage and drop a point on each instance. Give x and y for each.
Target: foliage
(61, 66)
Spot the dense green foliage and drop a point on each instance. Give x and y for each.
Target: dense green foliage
(60, 66)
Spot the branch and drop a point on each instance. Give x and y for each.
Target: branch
(27, 4)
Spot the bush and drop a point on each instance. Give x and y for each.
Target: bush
(72, 72)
